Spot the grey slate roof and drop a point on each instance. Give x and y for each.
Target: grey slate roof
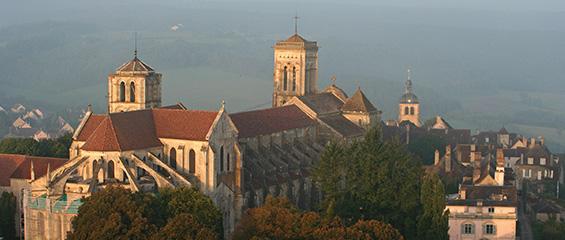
(358, 103)
(322, 103)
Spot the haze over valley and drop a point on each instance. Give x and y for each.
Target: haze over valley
(481, 65)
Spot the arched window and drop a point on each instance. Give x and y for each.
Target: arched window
(191, 161)
(221, 158)
(122, 92)
(228, 162)
(285, 79)
(406, 111)
(132, 92)
(173, 158)
(411, 110)
(110, 169)
(293, 78)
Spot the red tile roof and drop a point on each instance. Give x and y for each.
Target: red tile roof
(103, 139)
(271, 120)
(142, 129)
(18, 166)
(91, 124)
(183, 124)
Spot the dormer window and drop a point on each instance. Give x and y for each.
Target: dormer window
(542, 161)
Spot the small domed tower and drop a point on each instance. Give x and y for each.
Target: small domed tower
(409, 106)
(134, 86)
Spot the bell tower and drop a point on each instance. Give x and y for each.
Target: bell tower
(409, 106)
(295, 70)
(134, 86)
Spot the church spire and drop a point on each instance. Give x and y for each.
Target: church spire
(296, 24)
(408, 84)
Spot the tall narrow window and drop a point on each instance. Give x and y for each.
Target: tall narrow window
(285, 79)
(132, 92)
(406, 111)
(411, 110)
(228, 162)
(221, 158)
(191, 161)
(293, 78)
(173, 158)
(122, 92)
(94, 172)
(110, 169)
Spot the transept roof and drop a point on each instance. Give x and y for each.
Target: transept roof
(358, 103)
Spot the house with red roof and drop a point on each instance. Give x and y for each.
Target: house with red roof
(18, 171)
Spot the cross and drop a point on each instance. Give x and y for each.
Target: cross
(409, 72)
(296, 24)
(333, 79)
(135, 44)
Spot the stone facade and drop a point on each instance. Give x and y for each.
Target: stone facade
(134, 86)
(295, 69)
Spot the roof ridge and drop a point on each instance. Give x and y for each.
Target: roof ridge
(358, 102)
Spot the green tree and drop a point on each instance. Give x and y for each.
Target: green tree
(7, 215)
(116, 213)
(191, 201)
(279, 219)
(424, 147)
(371, 179)
(184, 227)
(45, 148)
(433, 222)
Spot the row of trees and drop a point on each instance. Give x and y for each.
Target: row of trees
(279, 219)
(377, 180)
(117, 213)
(45, 148)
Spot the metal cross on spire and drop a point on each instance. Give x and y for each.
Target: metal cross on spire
(408, 81)
(135, 44)
(296, 23)
(333, 79)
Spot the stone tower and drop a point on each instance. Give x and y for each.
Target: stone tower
(295, 68)
(409, 106)
(134, 86)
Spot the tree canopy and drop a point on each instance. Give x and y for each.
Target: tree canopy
(279, 219)
(116, 213)
(45, 148)
(7, 215)
(375, 180)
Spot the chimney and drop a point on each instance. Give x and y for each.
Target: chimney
(532, 142)
(499, 172)
(436, 157)
(542, 140)
(448, 158)
(32, 171)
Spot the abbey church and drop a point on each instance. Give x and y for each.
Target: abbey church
(237, 159)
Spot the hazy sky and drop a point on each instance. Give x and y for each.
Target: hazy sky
(480, 63)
